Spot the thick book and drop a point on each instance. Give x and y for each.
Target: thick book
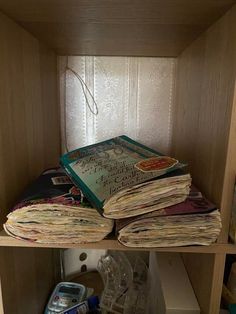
(176, 230)
(196, 221)
(103, 169)
(52, 210)
(195, 203)
(148, 196)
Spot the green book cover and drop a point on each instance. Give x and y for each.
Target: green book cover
(102, 169)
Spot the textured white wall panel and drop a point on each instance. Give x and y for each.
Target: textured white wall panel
(134, 97)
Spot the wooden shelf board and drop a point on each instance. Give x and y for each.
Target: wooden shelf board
(104, 27)
(113, 244)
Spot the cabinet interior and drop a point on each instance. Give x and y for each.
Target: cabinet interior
(203, 42)
(127, 28)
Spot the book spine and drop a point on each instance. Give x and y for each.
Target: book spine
(86, 192)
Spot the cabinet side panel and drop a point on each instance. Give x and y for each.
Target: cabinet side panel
(202, 118)
(29, 122)
(206, 275)
(51, 112)
(27, 279)
(230, 173)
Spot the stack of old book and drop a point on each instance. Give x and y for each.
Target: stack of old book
(52, 210)
(196, 221)
(148, 194)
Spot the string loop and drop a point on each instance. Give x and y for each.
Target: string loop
(84, 86)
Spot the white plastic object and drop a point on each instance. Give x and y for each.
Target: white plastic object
(73, 263)
(171, 290)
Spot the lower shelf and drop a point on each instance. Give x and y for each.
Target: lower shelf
(113, 244)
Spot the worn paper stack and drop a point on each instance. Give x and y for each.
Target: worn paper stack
(167, 231)
(52, 211)
(148, 194)
(53, 223)
(123, 178)
(196, 221)
(148, 197)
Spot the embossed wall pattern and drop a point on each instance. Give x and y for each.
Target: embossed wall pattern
(134, 97)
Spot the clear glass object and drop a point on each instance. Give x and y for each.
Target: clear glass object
(126, 288)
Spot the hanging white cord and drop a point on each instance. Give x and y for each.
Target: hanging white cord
(84, 88)
(64, 112)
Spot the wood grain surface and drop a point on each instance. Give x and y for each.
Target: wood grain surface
(29, 111)
(27, 278)
(204, 136)
(204, 115)
(29, 143)
(120, 27)
(206, 275)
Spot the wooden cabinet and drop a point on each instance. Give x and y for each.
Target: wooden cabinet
(201, 35)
